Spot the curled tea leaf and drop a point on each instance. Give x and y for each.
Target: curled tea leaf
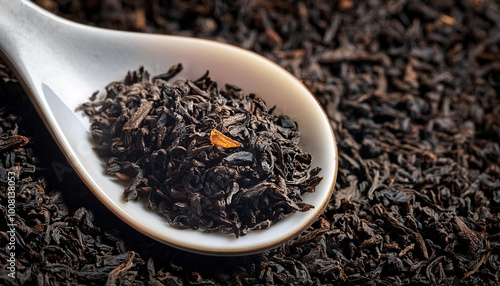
(136, 119)
(15, 140)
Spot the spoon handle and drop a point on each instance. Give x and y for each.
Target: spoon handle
(23, 29)
(41, 48)
(16, 28)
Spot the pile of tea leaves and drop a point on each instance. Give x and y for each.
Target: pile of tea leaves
(412, 92)
(169, 142)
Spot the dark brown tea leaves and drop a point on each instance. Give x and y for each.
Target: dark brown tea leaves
(411, 89)
(12, 142)
(139, 115)
(203, 157)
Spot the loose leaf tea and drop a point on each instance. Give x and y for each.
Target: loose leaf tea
(412, 92)
(203, 157)
(39, 236)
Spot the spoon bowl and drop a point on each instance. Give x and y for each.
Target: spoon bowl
(61, 63)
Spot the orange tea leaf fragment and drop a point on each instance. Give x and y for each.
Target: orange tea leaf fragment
(219, 139)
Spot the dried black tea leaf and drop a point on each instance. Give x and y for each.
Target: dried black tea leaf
(13, 141)
(202, 157)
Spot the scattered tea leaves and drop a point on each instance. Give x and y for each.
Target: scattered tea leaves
(412, 97)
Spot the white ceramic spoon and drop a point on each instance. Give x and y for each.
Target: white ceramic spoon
(61, 63)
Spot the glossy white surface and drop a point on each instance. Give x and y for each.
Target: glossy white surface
(60, 69)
